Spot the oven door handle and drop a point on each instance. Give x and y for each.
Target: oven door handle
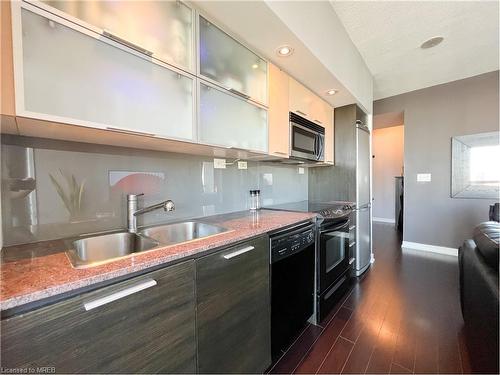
(339, 228)
(336, 234)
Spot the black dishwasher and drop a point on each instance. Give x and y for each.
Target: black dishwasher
(292, 284)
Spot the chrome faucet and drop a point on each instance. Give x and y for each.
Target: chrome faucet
(133, 211)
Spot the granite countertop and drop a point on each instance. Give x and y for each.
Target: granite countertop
(43, 270)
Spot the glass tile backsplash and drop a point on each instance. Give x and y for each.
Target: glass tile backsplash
(55, 189)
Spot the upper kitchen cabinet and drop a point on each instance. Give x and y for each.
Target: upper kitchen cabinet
(162, 29)
(329, 133)
(69, 74)
(227, 120)
(226, 62)
(279, 119)
(302, 101)
(305, 103)
(323, 115)
(7, 103)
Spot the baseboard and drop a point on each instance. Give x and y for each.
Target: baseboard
(384, 220)
(429, 248)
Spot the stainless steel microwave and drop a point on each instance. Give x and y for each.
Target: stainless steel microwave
(307, 139)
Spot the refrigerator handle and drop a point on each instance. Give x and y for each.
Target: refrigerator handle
(361, 126)
(364, 207)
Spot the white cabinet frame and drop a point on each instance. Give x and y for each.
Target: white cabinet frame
(210, 80)
(21, 111)
(77, 21)
(222, 90)
(78, 25)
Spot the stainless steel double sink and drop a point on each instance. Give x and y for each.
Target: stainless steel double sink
(95, 250)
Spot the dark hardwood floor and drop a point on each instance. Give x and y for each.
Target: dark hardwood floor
(403, 316)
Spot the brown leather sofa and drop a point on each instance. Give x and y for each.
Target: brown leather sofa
(479, 264)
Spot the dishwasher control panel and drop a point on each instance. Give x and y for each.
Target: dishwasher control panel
(287, 244)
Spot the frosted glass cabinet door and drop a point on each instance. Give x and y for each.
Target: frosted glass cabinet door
(162, 27)
(75, 76)
(229, 63)
(230, 121)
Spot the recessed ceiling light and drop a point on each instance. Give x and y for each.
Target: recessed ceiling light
(331, 92)
(255, 66)
(284, 51)
(432, 42)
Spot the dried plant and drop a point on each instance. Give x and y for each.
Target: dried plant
(72, 199)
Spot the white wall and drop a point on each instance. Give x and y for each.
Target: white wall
(388, 148)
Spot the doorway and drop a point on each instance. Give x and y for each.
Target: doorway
(388, 169)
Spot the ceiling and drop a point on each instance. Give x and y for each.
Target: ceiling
(388, 34)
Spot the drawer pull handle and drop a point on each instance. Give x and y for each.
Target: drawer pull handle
(239, 252)
(353, 227)
(302, 113)
(135, 47)
(351, 261)
(352, 244)
(118, 295)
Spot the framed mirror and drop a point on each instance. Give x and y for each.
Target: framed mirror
(475, 170)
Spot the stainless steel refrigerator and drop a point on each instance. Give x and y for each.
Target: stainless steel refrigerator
(349, 179)
(363, 200)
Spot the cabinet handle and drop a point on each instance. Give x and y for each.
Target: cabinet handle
(352, 244)
(133, 132)
(238, 252)
(118, 295)
(126, 43)
(351, 228)
(302, 113)
(236, 92)
(351, 261)
(279, 152)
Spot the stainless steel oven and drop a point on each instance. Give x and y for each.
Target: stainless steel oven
(333, 266)
(307, 139)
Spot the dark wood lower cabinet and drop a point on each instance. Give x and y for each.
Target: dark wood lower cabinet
(233, 309)
(149, 329)
(166, 321)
